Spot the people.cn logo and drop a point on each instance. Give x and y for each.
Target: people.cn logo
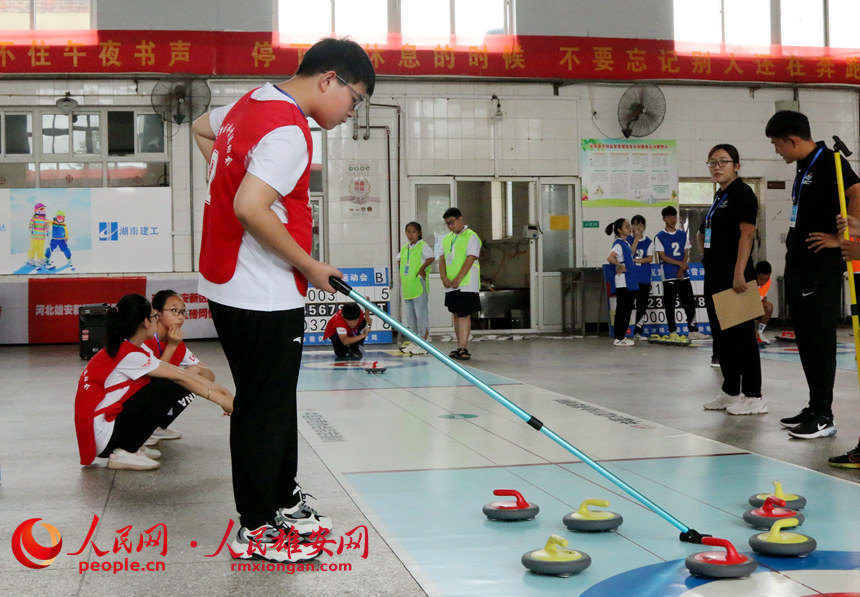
(24, 545)
(108, 231)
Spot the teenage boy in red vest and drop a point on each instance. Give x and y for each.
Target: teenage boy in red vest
(255, 266)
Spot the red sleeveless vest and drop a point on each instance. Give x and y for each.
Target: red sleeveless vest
(91, 391)
(247, 122)
(178, 354)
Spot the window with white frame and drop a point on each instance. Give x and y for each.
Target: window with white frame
(422, 22)
(87, 148)
(801, 23)
(842, 19)
(45, 14)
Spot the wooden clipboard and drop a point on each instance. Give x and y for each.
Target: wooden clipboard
(733, 308)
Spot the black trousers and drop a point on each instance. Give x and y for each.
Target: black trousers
(264, 351)
(814, 300)
(736, 347)
(147, 409)
(684, 290)
(342, 350)
(623, 308)
(642, 301)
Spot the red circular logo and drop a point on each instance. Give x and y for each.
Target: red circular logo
(24, 545)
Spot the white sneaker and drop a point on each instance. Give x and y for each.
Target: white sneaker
(414, 349)
(270, 543)
(151, 441)
(149, 452)
(697, 336)
(748, 406)
(120, 459)
(722, 401)
(302, 517)
(166, 433)
(624, 342)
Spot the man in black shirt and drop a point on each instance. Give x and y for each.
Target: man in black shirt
(813, 264)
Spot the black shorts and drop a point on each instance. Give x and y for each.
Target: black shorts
(462, 304)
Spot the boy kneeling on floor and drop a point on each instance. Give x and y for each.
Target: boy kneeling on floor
(347, 330)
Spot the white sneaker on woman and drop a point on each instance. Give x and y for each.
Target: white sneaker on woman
(722, 401)
(149, 452)
(623, 342)
(748, 406)
(120, 459)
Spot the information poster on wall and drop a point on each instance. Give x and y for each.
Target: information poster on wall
(629, 173)
(360, 182)
(73, 231)
(370, 282)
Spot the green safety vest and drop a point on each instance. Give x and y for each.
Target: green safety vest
(413, 258)
(454, 260)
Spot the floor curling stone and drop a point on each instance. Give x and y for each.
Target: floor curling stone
(593, 520)
(555, 559)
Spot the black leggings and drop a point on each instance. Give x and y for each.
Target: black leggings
(642, 303)
(683, 289)
(623, 309)
(147, 409)
(342, 350)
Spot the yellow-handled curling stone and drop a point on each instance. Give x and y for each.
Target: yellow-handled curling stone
(556, 559)
(764, 517)
(793, 501)
(777, 543)
(508, 511)
(593, 520)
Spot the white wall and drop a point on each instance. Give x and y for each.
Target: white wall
(650, 19)
(184, 15)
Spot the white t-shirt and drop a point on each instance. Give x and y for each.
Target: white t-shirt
(263, 281)
(620, 280)
(133, 366)
(473, 248)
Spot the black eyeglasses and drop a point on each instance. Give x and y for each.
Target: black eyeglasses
(178, 312)
(718, 163)
(357, 98)
(155, 316)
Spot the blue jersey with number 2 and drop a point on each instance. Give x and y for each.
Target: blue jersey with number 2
(673, 245)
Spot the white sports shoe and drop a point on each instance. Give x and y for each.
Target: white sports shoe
(149, 452)
(624, 342)
(302, 517)
(151, 441)
(166, 433)
(120, 459)
(748, 406)
(270, 543)
(721, 402)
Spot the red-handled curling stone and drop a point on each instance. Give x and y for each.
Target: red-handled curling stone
(764, 517)
(718, 564)
(518, 510)
(776, 543)
(375, 369)
(793, 501)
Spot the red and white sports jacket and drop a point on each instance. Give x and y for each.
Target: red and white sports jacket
(247, 122)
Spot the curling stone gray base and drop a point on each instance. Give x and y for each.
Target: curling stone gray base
(583, 525)
(765, 522)
(720, 570)
(511, 514)
(769, 548)
(556, 568)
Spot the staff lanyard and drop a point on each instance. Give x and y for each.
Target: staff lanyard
(798, 182)
(158, 344)
(717, 202)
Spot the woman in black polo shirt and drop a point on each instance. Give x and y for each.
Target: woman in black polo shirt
(727, 235)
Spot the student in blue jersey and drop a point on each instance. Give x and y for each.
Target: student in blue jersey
(415, 257)
(626, 285)
(643, 256)
(673, 248)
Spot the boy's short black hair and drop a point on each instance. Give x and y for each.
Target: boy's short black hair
(763, 267)
(343, 56)
(452, 212)
(788, 123)
(669, 210)
(351, 311)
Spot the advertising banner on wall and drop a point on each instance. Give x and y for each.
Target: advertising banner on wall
(656, 313)
(360, 181)
(65, 231)
(52, 311)
(628, 173)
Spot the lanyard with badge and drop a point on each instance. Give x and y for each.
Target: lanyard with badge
(717, 202)
(798, 187)
(408, 251)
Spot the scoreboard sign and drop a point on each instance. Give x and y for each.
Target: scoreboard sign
(320, 306)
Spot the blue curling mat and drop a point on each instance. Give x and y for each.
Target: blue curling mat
(322, 372)
(433, 520)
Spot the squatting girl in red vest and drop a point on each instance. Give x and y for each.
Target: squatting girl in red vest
(167, 345)
(124, 392)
